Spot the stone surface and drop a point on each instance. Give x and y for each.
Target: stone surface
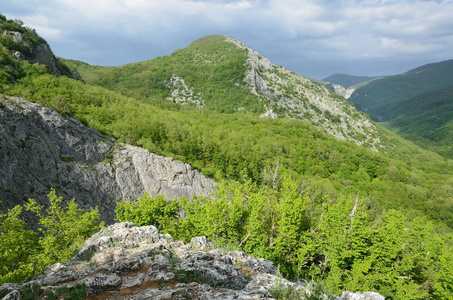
(127, 262)
(181, 93)
(361, 296)
(38, 53)
(40, 149)
(300, 98)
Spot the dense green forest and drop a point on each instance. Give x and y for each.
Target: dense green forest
(417, 105)
(320, 207)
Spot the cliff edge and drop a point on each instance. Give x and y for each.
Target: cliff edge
(40, 150)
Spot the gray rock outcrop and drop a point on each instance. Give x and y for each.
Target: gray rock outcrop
(297, 97)
(38, 52)
(127, 262)
(40, 149)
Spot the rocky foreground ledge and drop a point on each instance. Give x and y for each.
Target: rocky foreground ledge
(127, 262)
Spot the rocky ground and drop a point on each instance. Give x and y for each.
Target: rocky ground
(127, 262)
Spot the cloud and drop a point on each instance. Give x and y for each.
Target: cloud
(290, 32)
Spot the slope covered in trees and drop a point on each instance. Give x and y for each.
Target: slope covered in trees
(322, 207)
(219, 74)
(417, 104)
(233, 145)
(335, 245)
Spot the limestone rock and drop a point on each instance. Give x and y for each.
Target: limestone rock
(40, 149)
(361, 296)
(38, 53)
(127, 262)
(298, 97)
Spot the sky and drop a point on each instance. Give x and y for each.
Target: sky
(312, 38)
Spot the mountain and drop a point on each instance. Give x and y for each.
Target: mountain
(417, 104)
(220, 74)
(347, 81)
(222, 142)
(343, 84)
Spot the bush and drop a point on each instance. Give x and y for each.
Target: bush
(146, 210)
(63, 231)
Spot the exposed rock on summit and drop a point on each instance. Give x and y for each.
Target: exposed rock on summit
(295, 96)
(40, 149)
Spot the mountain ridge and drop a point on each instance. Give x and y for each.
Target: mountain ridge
(348, 81)
(320, 207)
(250, 83)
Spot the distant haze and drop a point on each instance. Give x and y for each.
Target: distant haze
(312, 38)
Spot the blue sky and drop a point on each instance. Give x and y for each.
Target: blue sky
(313, 38)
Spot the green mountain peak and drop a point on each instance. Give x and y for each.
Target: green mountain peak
(220, 74)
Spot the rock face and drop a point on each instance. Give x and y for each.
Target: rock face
(127, 262)
(183, 94)
(297, 97)
(37, 52)
(346, 93)
(40, 149)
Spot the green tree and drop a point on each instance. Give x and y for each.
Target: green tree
(63, 229)
(147, 210)
(17, 245)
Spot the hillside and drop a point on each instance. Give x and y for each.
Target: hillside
(221, 75)
(127, 262)
(427, 119)
(416, 104)
(42, 149)
(242, 144)
(19, 43)
(349, 216)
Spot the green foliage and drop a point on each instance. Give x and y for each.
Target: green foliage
(214, 68)
(155, 211)
(227, 145)
(16, 247)
(279, 291)
(338, 246)
(292, 197)
(63, 230)
(416, 104)
(443, 285)
(12, 69)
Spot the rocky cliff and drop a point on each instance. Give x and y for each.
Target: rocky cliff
(297, 97)
(40, 150)
(23, 43)
(127, 262)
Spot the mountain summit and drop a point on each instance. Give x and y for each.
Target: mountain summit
(220, 74)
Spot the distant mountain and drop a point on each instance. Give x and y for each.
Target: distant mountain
(347, 81)
(220, 74)
(418, 104)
